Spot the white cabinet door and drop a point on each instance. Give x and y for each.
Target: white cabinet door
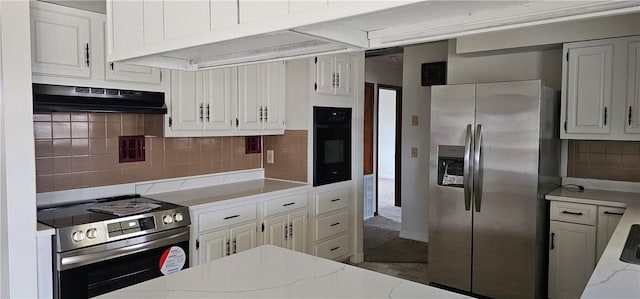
(185, 18)
(633, 88)
(250, 113)
(343, 76)
(298, 231)
(608, 218)
(60, 43)
(153, 21)
(127, 24)
(223, 14)
(243, 237)
(274, 232)
(589, 81)
(218, 98)
(186, 100)
(325, 75)
(251, 10)
(213, 246)
(273, 105)
(571, 258)
(132, 73)
(305, 6)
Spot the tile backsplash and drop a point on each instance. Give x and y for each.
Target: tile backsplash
(78, 150)
(605, 160)
(290, 155)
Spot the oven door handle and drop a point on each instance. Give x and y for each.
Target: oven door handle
(91, 258)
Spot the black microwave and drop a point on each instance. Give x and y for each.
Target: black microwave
(331, 145)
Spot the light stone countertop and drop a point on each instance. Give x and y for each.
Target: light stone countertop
(205, 195)
(273, 272)
(611, 278)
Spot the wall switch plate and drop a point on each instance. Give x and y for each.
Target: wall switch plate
(414, 152)
(414, 120)
(270, 156)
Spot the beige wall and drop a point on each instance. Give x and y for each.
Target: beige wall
(79, 150)
(415, 171)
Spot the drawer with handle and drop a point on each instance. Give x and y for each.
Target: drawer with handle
(285, 204)
(224, 217)
(333, 248)
(332, 225)
(332, 200)
(573, 212)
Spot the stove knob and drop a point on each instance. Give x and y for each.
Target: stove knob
(178, 217)
(78, 236)
(167, 219)
(92, 233)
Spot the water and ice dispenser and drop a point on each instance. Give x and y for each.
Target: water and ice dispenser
(450, 165)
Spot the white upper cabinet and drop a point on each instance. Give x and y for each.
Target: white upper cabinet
(304, 6)
(130, 23)
(219, 90)
(60, 42)
(132, 73)
(589, 80)
(184, 18)
(633, 88)
(600, 90)
(333, 75)
(186, 109)
(223, 14)
(251, 10)
(261, 96)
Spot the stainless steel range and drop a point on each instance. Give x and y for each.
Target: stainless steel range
(105, 244)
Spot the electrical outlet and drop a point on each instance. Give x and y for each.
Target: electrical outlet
(414, 152)
(270, 156)
(414, 120)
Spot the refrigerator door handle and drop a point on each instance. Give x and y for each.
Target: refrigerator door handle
(477, 176)
(466, 181)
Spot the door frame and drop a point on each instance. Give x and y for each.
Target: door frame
(398, 142)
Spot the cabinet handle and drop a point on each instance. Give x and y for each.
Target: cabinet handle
(613, 213)
(334, 200)
(111, 64)
(605, 116)
(266, 113)
(334, 248)
(288, 204)
(201, 112)
(228, 249)
(337, 223)
(86, 53)
(231, 217)
(291, 230)
(260, 113)
(572, 213)
(553, 236)
(286, 231)
(235, 247)
(630, 115)
(208, 113)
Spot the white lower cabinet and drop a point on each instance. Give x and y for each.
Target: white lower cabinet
(571, 258)
(331, 223)
(578, 235)
(288, 231)
(217, 244)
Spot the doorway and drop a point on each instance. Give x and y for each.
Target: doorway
(388, 159)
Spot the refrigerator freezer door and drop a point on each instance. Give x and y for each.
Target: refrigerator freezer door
(452, 112)
(504, 231)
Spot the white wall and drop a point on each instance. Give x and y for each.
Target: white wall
(297, 94)
(386, 134)
(382, 73)
(415, 171)
(18, 274)
(505, 65)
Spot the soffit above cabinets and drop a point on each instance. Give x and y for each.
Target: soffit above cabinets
(343, 26)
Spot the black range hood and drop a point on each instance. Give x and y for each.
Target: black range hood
(58, 98)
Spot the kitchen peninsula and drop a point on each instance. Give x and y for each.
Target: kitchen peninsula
(273, 272)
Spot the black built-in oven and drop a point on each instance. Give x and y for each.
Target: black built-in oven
(331, 145)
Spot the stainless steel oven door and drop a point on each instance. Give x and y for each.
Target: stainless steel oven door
(103, 268)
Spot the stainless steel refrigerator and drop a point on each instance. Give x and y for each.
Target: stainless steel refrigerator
(494, 153)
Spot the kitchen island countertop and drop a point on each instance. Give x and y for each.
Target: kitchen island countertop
(273, 272)
(611, 278)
